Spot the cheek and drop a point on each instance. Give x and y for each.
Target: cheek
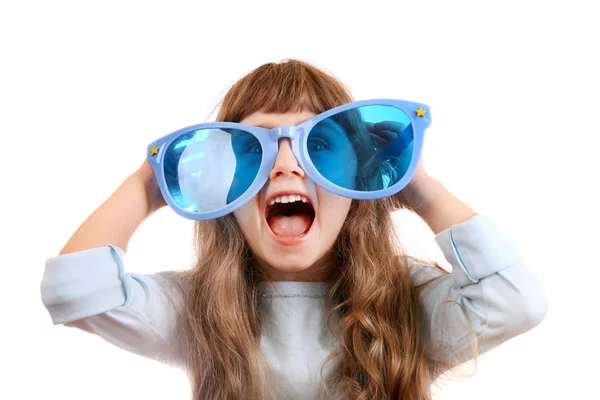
(333, 210)
(247, 218)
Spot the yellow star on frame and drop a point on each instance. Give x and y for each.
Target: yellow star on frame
(153, 150)
(420, 112)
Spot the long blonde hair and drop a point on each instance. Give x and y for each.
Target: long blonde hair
(379, 353)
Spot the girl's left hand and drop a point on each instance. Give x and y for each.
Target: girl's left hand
(424, 195)
(414, 194)
(386, 136)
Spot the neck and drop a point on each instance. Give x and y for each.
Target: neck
(318, 272)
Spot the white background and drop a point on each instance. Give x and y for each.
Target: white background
(513, 87)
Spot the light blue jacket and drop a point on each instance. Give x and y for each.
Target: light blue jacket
(91, 290)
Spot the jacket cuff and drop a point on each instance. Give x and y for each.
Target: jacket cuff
(476, 249)
(84, 283)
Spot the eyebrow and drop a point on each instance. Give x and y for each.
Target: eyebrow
(262, 126)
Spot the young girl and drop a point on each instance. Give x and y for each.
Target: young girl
(298, 292)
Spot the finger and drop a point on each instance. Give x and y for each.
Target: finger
(379, 142)
(394, 126)
(388, 136)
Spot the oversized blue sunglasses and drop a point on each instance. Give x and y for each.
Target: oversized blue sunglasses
(362, 150)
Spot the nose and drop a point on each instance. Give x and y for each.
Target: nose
(286, 163)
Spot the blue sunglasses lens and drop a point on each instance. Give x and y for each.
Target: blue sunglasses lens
(366, 148)
(207, 169)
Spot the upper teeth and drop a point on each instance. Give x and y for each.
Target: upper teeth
(288, 199)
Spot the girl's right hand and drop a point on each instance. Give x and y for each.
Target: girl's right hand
(154, 198)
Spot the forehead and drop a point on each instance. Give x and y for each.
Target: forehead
(273, 120)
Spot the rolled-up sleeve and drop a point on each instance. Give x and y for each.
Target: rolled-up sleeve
(90, 290)
(490, 296)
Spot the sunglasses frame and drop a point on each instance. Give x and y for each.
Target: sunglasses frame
(298, 134)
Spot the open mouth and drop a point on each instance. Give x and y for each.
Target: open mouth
(290, 215)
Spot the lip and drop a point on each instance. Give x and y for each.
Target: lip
(292, 240)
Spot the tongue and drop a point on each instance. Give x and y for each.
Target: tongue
(292, 225)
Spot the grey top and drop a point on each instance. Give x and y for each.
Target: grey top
(91, 291)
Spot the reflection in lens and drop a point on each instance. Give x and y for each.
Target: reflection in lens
(367, 148)
(207, 169)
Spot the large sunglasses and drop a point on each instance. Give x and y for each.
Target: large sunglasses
(363, 150)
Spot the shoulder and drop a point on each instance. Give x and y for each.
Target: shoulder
(171, 282)
(422, 272)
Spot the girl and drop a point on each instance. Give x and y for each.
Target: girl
(298, 292)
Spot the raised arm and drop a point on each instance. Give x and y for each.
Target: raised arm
(86, 285)
(489, 297)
